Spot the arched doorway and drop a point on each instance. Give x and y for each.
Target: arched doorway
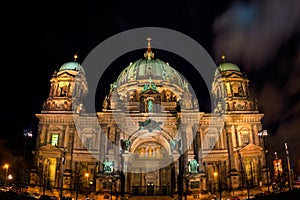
(151, 173)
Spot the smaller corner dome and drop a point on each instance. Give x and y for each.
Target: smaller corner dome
(227, 66)
(71, 66)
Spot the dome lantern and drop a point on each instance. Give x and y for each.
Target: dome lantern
(149, 54)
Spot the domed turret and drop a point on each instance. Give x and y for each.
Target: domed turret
(230, 89)
(226, 66)
(75, 66)
(68, 86)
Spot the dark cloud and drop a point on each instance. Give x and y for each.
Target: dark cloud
(251, 33)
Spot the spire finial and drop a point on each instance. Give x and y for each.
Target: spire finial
(223, 57)
(149, 44)
(75, 57)
(149, 54)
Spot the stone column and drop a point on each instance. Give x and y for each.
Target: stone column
(66, 137)
(117, 148)
(43, 138)
(231, 140)
(221, 138)
(255, 135)
(126, 158)
(184, 145)
(233, 175)
(190, 142)
(175, 157)
(48, 135)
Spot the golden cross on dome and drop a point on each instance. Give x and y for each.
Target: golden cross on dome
(75, 57)
(223, 57)
(149, 44)
(149, 54)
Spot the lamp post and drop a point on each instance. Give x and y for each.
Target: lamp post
(9, 177)
(263, 134)
(217, 176)
(186, 178)
(87, 182)
(113, 177)
(289, 166)
(87, 178)
(27, 134)
(61, 183)
(6, 166)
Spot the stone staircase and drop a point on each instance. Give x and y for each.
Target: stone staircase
(151, 198)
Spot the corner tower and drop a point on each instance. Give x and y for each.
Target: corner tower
(230, 90)
(68, 87)
(242, 121)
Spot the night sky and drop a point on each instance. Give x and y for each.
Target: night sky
(261, 37)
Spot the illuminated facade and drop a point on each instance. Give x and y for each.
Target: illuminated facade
(151, 129)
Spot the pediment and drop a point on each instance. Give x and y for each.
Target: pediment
(250, 149)
(50, 148)
(234, 75)
(65, 74)
(150, 91)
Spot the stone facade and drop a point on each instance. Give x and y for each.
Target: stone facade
(150, 128)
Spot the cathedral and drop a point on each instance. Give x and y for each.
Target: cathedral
(150, 138)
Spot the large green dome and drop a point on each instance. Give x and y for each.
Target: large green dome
(71, 66)
(144, 68)
(227, 66)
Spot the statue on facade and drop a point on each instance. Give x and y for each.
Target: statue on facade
(174, 145)
(125, 144)
(185, 85)
(105, 103)
(112, 86)
(193, 166)
(150, 105)
(107, 166)
(150, 125)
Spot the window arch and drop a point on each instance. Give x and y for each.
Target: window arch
(245, 136)
(211, 140)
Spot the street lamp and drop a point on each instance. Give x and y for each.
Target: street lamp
(10, 177)
(27, 134)
(6, 166)
(87, 178)
(186, 176)
(215, 177)
(218, 177)
(263, 134)
(112, 178)
(289, 166)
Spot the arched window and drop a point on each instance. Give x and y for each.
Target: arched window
(245, 136)
(54, 139)
(89, 143)
(235, 90)
(211, 140)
